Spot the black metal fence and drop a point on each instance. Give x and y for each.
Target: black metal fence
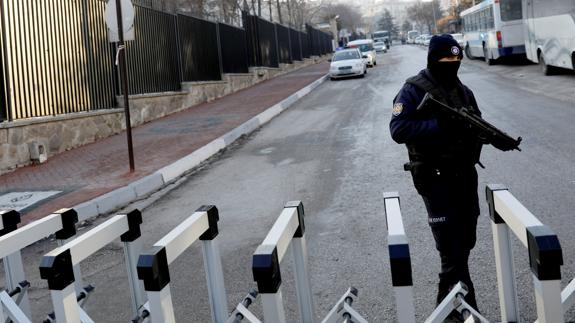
(199, 49)
(295, 42)
(57, 59)
(153, 63)
(284, 46)
(233, 49)
(270, 44)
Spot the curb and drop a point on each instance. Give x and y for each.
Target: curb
(144, 186)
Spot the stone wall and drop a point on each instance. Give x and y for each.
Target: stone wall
(65, 132)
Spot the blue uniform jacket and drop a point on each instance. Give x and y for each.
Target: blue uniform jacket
(405, 127)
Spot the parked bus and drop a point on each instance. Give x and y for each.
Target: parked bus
(493, 29)
(411, 35)
(382, 35)
(549, 27)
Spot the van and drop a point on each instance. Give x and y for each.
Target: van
(365, 46)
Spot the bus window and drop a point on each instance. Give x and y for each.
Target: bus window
(510, 10)
(490, 21)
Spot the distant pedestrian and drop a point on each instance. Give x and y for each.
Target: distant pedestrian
(443, 154)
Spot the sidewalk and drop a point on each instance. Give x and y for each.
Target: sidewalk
(93, 170)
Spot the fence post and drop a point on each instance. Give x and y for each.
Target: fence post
(503, 260)
(545, 255)
(219, 49)
(399, 259)
(302, 279)
(13, 266)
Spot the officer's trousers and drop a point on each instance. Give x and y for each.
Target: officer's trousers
(450, 196)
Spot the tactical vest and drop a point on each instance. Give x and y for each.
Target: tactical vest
(448, 150)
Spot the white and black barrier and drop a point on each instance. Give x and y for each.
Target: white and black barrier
(545, 258)
(399, 259)
(288, 230)
(57, 266)
(61, 223)
(153, 266)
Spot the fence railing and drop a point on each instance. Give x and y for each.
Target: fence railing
(199, 49)
(295, 42)
(57, 59)
(153, 62)
(234, 49)
(270, 44)
(284, 44)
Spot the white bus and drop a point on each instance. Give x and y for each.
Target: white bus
(493, 29)
(549, 27)
(411, 35)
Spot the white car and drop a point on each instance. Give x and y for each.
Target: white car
(380, 46)
(426, 40)
(365, 46)
(459, 39)
(347, 62)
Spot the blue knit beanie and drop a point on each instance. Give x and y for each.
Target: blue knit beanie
(441, 46)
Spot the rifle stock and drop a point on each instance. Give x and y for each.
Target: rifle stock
(482, 128)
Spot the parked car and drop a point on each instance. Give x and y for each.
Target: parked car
(365, 46)
(459, 39)
(380, 46)
(419, 39)
(348, 62)
(426, 40)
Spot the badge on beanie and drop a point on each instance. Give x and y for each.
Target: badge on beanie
(455, 50)
(397, 109)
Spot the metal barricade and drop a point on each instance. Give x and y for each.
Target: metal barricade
(545, 257)
(61, 223)
(288, 230)
(153, 267)
(401, 274)
(57, 265)
(399, 259)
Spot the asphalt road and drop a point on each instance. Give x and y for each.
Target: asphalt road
(333, 151)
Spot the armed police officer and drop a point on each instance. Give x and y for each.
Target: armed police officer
(442, 154)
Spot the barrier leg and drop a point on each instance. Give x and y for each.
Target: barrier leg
(404, 304)
(303, 285)
(273, 307)
(161, 306)
(215, 280)
(79, 282)
(132, 251)
(12, 310)
(66, 307)
(14, 270)
(568, 296)
(505, 272)
(548, 299)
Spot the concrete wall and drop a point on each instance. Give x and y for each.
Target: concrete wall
(65, 132)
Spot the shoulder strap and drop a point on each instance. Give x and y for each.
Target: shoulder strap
(425, 84)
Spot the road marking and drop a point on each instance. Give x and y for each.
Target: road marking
(21, 200)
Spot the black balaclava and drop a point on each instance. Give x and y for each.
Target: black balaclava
(444, 72)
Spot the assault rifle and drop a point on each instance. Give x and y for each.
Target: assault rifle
(484, 130)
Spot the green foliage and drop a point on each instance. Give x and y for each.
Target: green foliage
(386, 22)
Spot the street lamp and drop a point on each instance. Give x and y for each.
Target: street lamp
(433, 9)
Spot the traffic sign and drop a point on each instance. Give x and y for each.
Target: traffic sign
(111, 18)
